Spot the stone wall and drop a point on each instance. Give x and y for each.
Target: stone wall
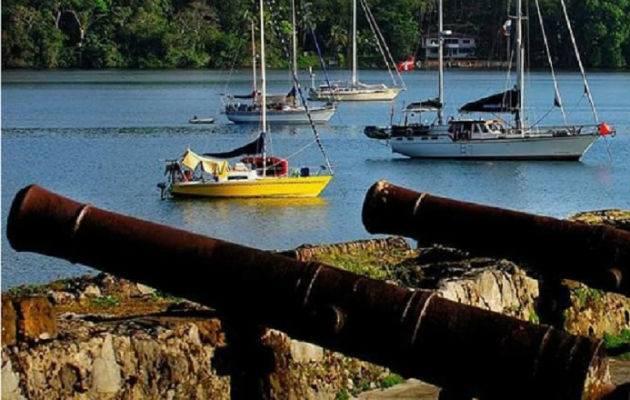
(102, 337)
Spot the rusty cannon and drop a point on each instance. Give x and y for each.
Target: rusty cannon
(474, 352)
(594, 254)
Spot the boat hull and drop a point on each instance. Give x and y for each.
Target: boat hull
(201, 121)
(516, 148)
(307, 186)
(318, 115)
(356, 95)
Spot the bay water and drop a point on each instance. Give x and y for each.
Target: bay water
(103, 136)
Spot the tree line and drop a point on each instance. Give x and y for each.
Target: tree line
(216, 34)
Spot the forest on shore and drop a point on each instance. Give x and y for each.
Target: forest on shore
(48, 34)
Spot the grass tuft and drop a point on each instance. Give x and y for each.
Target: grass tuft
(107, 301)
(390, 380)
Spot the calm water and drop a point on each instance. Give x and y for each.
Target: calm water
(102, 136)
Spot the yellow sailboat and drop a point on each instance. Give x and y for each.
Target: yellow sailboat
(195, 175)
(255, 175)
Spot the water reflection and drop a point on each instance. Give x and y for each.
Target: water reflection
(265, 220)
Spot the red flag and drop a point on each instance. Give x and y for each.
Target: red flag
(604, 129)
(406, 65)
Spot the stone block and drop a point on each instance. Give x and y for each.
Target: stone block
(105, 370)
(306, 352)
(10, 381)
(9, 322)
(36, 318)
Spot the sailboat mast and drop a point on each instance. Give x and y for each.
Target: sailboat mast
(520, 64)
(440, 63)
(263, 82)
(294, 37)
(354, 43)
(254, 78)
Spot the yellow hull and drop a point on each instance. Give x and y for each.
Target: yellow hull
(308, 186)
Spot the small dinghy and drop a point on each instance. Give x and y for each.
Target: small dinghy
(195, 120)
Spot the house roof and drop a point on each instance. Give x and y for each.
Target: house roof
(452, 35)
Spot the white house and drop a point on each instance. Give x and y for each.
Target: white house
(457, 46)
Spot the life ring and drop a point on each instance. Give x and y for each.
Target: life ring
(275, 166)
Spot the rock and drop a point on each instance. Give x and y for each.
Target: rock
(139, 351)
(69, 376)
(106, 371)
(595, 312)
(617, 218)
(305, 352)
(90, 291)
(36, 318)
(10, 381)
(144, 289)
(9, 322)
(211, 332)
(310, 252)
(496, 285)
(60, 297)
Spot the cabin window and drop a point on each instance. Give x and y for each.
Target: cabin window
(466, 41)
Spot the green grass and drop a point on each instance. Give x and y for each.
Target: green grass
(513, 309)
(614, 341)
(585, 295)
(160, 295)
(342, 395)
(107, 301)
(27, 290)
(533, 317)
(372, 265)
(390, 380)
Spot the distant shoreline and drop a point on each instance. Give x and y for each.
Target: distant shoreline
(422, 68)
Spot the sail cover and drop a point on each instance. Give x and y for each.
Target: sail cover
(425, 105)
(255, 147)
(506, 102)
(245, 96)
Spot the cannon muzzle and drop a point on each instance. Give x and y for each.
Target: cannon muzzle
(595, 254)
(414, 332)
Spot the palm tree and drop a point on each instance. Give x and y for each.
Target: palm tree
(338, 39)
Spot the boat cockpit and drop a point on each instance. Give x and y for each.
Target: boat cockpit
(476, 129)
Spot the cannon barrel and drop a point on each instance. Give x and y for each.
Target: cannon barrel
(595, 254)
(413, 332)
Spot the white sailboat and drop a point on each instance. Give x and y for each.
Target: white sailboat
(356, 90)
(281, 109)
(257, 174)
(491, 138)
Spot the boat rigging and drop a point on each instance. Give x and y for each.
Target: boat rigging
(483, 138)
(257, 174)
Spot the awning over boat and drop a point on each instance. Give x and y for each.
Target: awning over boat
(253, 148)
(244, 96)
(506, 102)
(218, 168)
(425, 105)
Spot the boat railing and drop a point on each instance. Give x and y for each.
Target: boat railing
(572, 130)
